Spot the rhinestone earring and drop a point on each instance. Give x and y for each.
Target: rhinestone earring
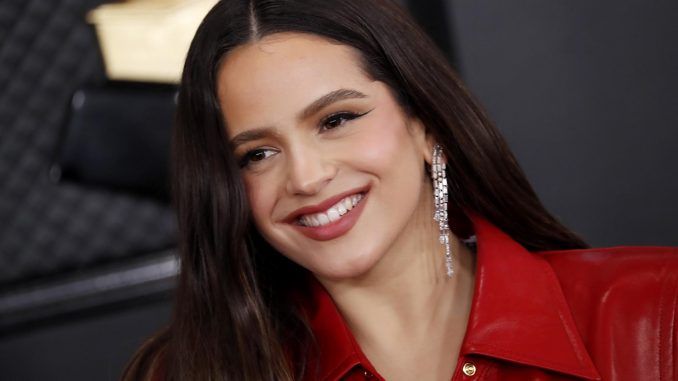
(440, 199)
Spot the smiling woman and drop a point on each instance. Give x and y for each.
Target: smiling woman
(333, 137)
(332, 178)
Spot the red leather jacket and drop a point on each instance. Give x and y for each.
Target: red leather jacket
(593, 314)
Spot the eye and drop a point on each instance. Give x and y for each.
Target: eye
(338, 119)
(256, 155)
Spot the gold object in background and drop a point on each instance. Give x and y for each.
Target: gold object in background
(147, 40)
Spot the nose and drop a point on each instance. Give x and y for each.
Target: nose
(309, 170)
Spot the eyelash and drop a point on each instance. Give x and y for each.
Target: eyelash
(345, 116)
(247, 157)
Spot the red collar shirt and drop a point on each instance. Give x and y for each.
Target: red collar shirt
(590, 314)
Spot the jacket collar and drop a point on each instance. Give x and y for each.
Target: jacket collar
(518, 314)
(336, 351)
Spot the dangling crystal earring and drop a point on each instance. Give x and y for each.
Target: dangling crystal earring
(440, 198)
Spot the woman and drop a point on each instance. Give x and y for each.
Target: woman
(315, 143)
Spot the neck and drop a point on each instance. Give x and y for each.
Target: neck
(420, 297)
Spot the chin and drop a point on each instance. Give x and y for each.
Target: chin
(356, 267)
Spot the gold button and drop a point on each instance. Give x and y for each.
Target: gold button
(469, 369)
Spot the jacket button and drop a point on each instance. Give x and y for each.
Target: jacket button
(469, 369)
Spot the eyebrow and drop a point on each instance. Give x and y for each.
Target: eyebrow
(328, 99)
(314, 107)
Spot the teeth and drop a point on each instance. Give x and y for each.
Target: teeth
(332, 214)
(323, 219)
(348, 204)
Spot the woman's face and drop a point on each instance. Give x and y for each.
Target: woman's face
(334, 169)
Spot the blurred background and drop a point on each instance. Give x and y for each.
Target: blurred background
(585, 93)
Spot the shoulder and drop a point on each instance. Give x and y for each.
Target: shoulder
(624, 301)
(620, 277)
(633, 266)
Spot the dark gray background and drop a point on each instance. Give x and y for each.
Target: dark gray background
(585, 92)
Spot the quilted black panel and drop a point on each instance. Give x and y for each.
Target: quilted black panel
(47, 51)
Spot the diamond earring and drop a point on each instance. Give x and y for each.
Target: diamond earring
(440, 199)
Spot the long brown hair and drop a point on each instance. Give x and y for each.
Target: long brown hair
(233, 318)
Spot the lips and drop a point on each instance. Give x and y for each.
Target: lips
(332, 229)
(324, 205)
(333, 214)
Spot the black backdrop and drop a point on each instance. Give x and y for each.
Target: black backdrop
(584, 92)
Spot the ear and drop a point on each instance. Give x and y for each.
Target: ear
(423, 139)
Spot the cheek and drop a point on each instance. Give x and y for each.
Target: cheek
(260, 198)
(386, 146)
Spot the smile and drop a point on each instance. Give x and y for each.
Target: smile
(331, 218)
(333, 213)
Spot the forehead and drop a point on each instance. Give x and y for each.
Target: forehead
(282, 73)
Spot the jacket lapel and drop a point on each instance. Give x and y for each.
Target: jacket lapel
(519, 312)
